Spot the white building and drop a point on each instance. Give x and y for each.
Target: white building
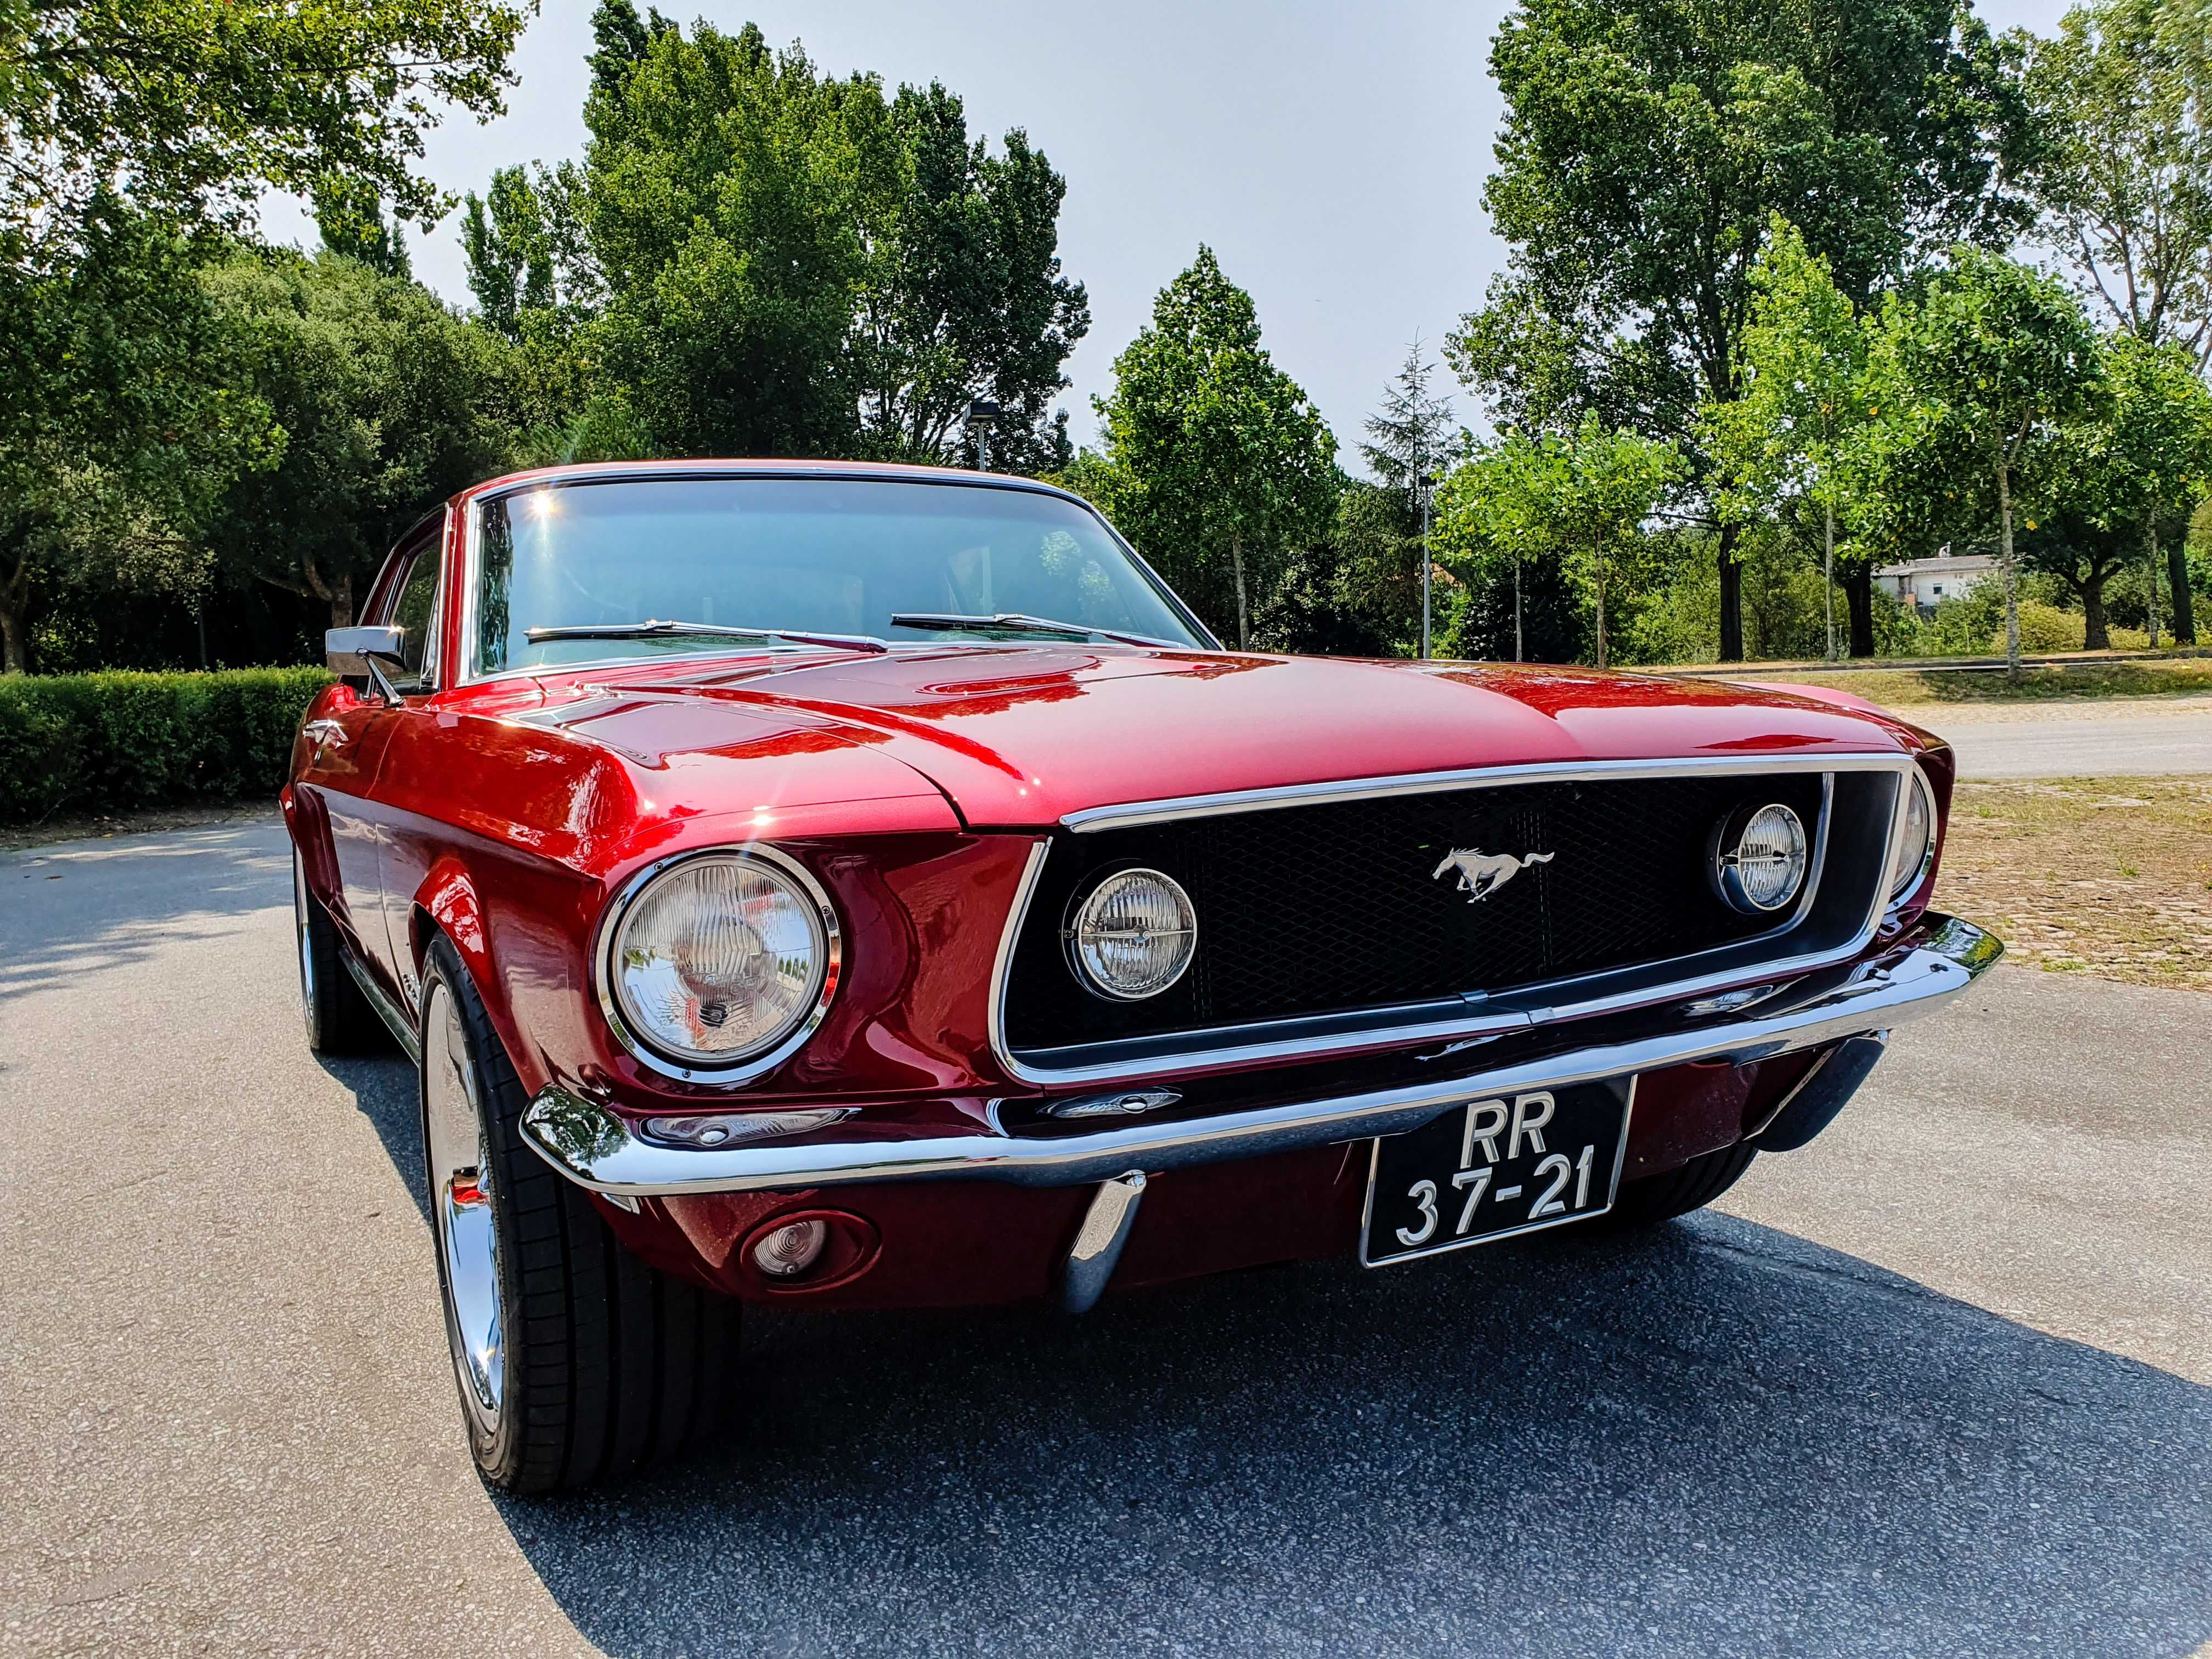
(1925, 583)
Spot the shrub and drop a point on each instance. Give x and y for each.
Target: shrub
(2042, 627)
(122, 742)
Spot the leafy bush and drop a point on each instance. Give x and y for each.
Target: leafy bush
(122, 742)
(2042, 627)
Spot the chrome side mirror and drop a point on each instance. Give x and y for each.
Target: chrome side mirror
(350, 651)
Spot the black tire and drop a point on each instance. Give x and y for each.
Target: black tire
(340, 1018)
(604, 1364)
(1660, 1198)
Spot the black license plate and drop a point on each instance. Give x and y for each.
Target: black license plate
(1497, 1166)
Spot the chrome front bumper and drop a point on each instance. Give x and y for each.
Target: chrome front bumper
(596, 1147)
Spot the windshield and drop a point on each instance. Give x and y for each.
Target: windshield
(825, 555)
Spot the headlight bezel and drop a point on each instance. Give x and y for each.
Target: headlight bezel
(748, 1065)
(1899, 889)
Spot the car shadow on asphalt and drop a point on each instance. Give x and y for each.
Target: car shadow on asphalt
(384, 1090)
(1715, 1439)
(80, 905)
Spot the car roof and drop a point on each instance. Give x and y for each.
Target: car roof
(905, 472)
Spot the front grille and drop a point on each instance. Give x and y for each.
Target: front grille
(1336, 907)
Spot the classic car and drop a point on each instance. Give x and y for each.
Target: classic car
(866, 887)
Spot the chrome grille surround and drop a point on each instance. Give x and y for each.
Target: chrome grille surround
(1603, 992)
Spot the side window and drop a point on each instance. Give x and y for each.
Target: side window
(415, 609)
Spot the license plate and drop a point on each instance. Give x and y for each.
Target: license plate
(1495, 1166)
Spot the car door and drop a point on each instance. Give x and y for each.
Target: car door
(405, 840)
(350, 739)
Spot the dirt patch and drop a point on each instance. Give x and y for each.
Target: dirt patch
(14, 837)
(2104, 876)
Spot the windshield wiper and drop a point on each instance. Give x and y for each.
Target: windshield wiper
(1014, 621)
(651, 631)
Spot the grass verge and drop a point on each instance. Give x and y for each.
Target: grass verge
(2104, 876)
(1903, 686)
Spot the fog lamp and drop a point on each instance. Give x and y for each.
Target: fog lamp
(1133, 936)
(792, 1249)
(1759, 858)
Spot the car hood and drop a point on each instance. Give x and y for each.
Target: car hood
(1021, 736)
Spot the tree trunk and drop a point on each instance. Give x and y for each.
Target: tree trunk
(341, 598)
(16, 621)
(1828, 572)
(1237, 559)
(2176, 576)
(2150, 565)
(2095, 636)
(14, 653)
(2011, 571)
(1600, 614)
(1858, 601)
(1731, 595)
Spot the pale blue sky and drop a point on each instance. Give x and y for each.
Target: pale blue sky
(1333, 156)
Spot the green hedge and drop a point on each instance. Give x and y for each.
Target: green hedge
(109, 743)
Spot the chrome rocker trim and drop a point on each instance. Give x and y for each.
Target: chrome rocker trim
(596, 1148)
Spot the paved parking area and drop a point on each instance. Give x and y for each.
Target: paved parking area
(2118, 737)
(1941, 1384)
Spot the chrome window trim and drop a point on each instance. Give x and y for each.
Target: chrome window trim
(1245, 1045)
(432, 664)
(472, 546)
(752, 1067)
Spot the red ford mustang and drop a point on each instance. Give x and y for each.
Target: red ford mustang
(871, 887)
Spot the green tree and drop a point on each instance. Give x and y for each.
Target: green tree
(187, 105)
(960, 295)
(351, 222)
(1786, 442)
(119, 422)
(1412, 441)
(1644, 146)
(1578, 502)
(1999, 357)
(2153, 453)
(721, 199)
(792, 263)
(2125, 177)
(387, 401)
(528, 252)
(1216, 464)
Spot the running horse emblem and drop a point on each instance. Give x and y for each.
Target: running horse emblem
(1481, 873)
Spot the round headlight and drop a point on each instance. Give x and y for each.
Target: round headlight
(1760, 867)
(1915, 845)
(1133, 936)
(720, 960)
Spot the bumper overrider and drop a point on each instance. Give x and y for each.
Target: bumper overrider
(598, 1149)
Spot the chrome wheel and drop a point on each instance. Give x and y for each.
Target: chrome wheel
(460, 1207)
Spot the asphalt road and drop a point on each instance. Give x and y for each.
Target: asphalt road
(1941, 1384)
(2109, 740)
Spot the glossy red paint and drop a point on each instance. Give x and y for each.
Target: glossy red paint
(913, 786)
